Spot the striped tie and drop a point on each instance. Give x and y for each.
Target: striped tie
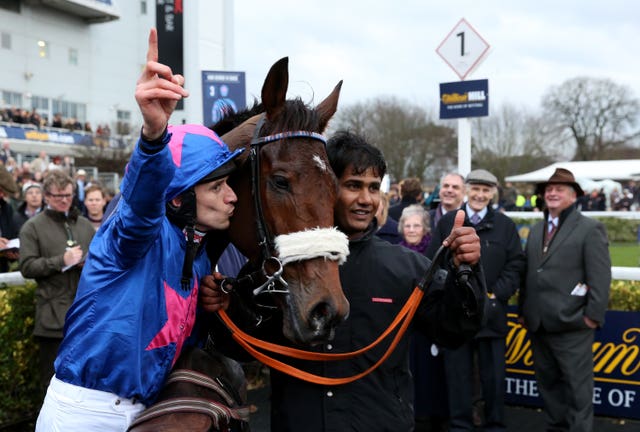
(550, 233)
(475, 218)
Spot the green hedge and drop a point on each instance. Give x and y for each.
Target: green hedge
(20, 394)
(19, 390)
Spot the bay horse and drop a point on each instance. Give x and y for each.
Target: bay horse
(283, 223)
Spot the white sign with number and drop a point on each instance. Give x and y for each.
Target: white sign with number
(463, 48)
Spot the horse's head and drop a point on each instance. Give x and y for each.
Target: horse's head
(290, 221)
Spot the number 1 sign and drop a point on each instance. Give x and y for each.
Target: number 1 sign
(463, 48)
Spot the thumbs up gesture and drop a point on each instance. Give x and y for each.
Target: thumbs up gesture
(463, 242)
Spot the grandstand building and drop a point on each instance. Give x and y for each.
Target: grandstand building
(82, 58)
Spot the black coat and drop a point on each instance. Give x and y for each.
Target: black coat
(9, 229)
(395, 211)
(377, 279)
(502, 259)
(389, 232)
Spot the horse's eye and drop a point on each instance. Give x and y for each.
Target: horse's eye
(280, 182)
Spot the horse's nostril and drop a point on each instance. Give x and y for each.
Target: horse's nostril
(321, 310)
(322, 317)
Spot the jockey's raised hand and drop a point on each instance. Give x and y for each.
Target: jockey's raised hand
(157, 92)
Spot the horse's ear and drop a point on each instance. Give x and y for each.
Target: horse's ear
(274, 89)
(328, 107)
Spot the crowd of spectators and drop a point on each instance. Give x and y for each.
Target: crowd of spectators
(34, 171)
(26, 117)
(627, 199)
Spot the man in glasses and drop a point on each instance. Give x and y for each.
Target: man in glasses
(53, 244)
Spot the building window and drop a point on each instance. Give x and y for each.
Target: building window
(70, 110)
(143, 7)
(41, 104)
(5, 40)
(11, 99)
(73, 56)
(43, 49)
(123, 126)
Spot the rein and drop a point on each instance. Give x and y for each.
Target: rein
(403, 319)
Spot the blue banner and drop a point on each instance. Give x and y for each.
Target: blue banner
(54, 135)
(464, 99)
(222, 92)
(616, 366)
(46, 135)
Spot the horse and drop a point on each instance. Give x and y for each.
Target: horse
(283, 224)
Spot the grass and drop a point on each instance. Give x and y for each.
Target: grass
(625, 254)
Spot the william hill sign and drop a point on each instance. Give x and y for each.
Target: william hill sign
(464, 99)
(616, 366)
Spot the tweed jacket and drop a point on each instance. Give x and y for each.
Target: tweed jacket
(43, 241)
(551, 297)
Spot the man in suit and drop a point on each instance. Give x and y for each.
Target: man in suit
(451, 195)
(563, 301)
(503, 263)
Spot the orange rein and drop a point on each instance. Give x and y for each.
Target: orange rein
(250, 343)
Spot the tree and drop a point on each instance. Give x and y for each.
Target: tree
(412, 143)
(598, 115)
(512, 141)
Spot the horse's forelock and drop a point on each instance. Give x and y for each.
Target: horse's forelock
(295, 116)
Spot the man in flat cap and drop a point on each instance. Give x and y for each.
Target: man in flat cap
(563, 301)
(503, 262)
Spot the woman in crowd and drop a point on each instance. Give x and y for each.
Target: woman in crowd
(427, 368)
(414, 228)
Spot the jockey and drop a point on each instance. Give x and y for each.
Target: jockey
(135, 308)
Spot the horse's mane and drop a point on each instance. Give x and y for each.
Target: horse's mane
(296, 115)
(235, 119)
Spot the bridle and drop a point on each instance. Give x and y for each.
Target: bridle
(268, 245)
(278, 251)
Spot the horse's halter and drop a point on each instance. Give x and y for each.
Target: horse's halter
(328, 243)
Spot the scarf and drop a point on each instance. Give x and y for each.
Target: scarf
(420, 247)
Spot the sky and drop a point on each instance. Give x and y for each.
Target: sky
(384, 48)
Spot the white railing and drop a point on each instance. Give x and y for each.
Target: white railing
(622, 273)
(616, 214)
(626, 273)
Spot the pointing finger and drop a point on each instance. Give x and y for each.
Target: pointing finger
(152, 52)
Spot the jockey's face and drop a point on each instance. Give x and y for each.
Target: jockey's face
(358, 200)
(215, 202)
